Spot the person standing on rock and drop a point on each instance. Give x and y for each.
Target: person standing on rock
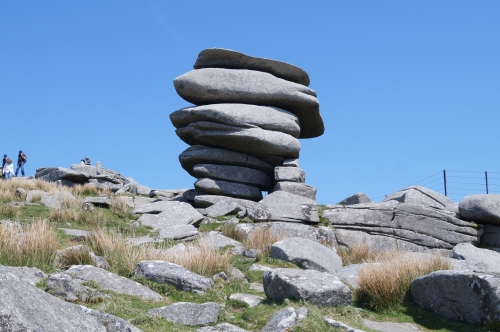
(3, 164)
(8, 168)
(21, 160)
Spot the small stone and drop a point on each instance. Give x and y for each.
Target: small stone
(251, 300)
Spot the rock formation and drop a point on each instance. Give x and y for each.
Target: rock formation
(245, 126)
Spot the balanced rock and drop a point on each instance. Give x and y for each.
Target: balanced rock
(297, 188)
(291, 174)
(227, 188)
(205, 201)
(238, 174)
(223, 58)
(217, 85)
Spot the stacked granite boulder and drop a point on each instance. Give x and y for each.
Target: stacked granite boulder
(245, 126)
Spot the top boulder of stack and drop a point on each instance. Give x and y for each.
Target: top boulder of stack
(222, 58)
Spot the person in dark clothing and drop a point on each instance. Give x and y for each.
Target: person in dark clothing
(21, 160)
(3, 164)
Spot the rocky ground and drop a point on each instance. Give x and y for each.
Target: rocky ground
(95, 257)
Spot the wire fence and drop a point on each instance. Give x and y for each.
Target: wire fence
(458, 184)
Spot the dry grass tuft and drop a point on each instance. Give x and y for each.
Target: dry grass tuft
(356, 254)
(120, 208)
(9, 212)
(29, 245)
(261, 238)
(385, 285)
(123, 258)
(76, 255)
(84, 190)
(73, 212)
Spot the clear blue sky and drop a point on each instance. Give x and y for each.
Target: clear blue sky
(406, 89)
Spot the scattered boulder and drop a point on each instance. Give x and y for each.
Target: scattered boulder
(27, 308)
(349, 273)
(481, 208)
(336, 323)
(64, 286)
(307, 254)
(186, 313)
(420, 196)
(320, 288)
(459, 295)
(284, 206)
(178, 233)
(476, 259)
(358, 198)
(110, 281)
(104, 201)
(223, 327)
(217, 241)
(170, 273)
(32, 275)
(284, 319)
(251, 300)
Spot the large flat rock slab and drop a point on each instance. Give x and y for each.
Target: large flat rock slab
(297, 188)
(227, 188)
(481, 208)
(320, 288)
(27, 308)
(270, 146)
(240, 115)
(32, 275)
(307, 254)
(239, 174)
(284, 206)
(186, 313)
(459, 295)
(393, 225)
(112, 282)
(477, 259)
(223, 58)
(217, 85)
(173, 274)
(175, 213)
(205, 201)
(217, 241)
(199, 154)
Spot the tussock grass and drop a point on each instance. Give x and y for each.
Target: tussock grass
(9, 212)
(73, 212)
(88, 190)
(30, 245)
(77, 255)
(358, 253)
(123, 258)
(120, 208)
(260, 239)
(386, 285)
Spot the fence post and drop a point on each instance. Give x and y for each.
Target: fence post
(486, 177)
(444, 178)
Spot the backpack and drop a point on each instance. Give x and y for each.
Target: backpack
(8, 161)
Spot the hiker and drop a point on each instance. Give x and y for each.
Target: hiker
(85, 161)
(3, 164)
(21, 160)
(8, 168)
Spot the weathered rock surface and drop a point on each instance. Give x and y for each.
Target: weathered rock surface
(297, 188)
(320, 234)
(170, 193)
(307, 254)
(226, 188)
(476, 259)
(223, 327)
(178, 232)
(290, 174)
(391, 326)
(186, 313)
(199, 154)
(459, 295)
(110, 281)
(481, 208)
(291, 162)
(349, 273)
(239, 174)
(358, 198)
(285, 319)
(215, 86)
(284, 206)
(169, 273)
(222, 58)
(491, 235)
(420, 195)
(174, 213)
(390, 225)
(240, 115)
(320, 288)
(65, 257)
(32, 275)
(270, 146)
(98, 201)
(64, 286)
(217, 240)
(251, 300)
(52, 174)
(336, 323)
(161, 206)
(205, 201)
(27, 308)
(224, 208)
